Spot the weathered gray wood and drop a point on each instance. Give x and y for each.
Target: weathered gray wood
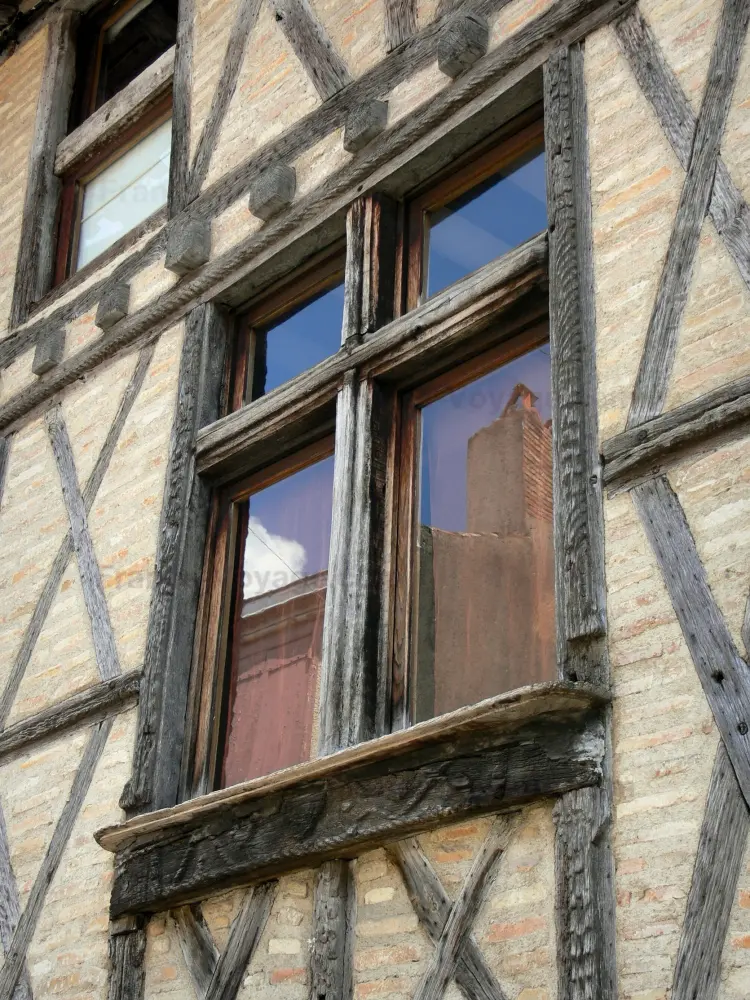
(334, 919)
(359, 808)
(584, 896)
(723, 673)
(272, 191)
(127, 953)
(197, 945)
(438, 324)
(442, 966)
(312, 46)
(50, 589)
(657, 360)
(463, 40)
(49, 352)
(179, 562)
(242, 26)
(188, 245)
(15, 954)
(4, 461)
(411, 138)
(364, 124)
(645, 447)
(90, 705)
(400, 22)
(473, 976)
(105, 648)
(723, 838)
(113, 305)
(728, 209)
(117, 114)
(247, 928)
(579, 558)
(10, 910)
(36, 250)
(182, 88)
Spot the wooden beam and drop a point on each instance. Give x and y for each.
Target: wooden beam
(457, 928)
(116, 114)
(400, 22)
(52, 584)
(722, 671)
(473, 976)
(15, 954)
(358, 809)
(10, 911)
(179, 562)
(242, 26)
(579, 532)
(440, 324)
(327, 70)
(96, 702)
(334, 921)
(723, 838)
(644, 449)
(182, 92)
(411, 138)
(127, 953)
(4, 462)
(728, 209)
(244, 936)
(37, 247)
(197, 945)
(657, 360)
(105, 648)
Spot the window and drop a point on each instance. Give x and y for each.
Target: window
(477, 212)
(450, 434)
(120, 115)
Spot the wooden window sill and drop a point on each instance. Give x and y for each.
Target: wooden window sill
(534, 742)
(118, 114)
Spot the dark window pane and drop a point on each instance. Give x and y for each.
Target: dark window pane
(135, 40)
(301, 340)
(486, 222)
(485, 593)
(276, 642)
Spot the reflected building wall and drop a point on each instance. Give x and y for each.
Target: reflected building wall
(486, 621)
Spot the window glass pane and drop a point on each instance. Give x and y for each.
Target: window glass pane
(484, 601)
(486, 222)
(278, 630)
(134, 41)
(124, 193)
(301, 340)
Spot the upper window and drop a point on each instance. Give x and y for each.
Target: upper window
(479, 211)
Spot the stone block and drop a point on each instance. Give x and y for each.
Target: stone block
(462, 41)
(188, 245)
(49, 351)
(272, 191)
(113, 305)
(364, 124)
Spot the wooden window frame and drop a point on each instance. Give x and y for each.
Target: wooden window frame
(518, 136)
(406, 474)
(74, 182)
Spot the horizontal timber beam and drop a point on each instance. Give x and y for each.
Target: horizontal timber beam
(414, 782)
(226, 277)
(643, 450)
(468, 307)
(88, 706)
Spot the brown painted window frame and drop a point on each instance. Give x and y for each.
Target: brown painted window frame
(480, 350)
(406, 474)
(74, 182)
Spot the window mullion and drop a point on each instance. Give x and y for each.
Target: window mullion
(353, 690)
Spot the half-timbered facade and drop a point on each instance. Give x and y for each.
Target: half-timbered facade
(374, 500)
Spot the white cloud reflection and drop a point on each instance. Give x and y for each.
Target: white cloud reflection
(271, 561)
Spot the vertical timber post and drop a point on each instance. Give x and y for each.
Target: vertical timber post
(352, 681)
(585, 909)
(127, 950)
